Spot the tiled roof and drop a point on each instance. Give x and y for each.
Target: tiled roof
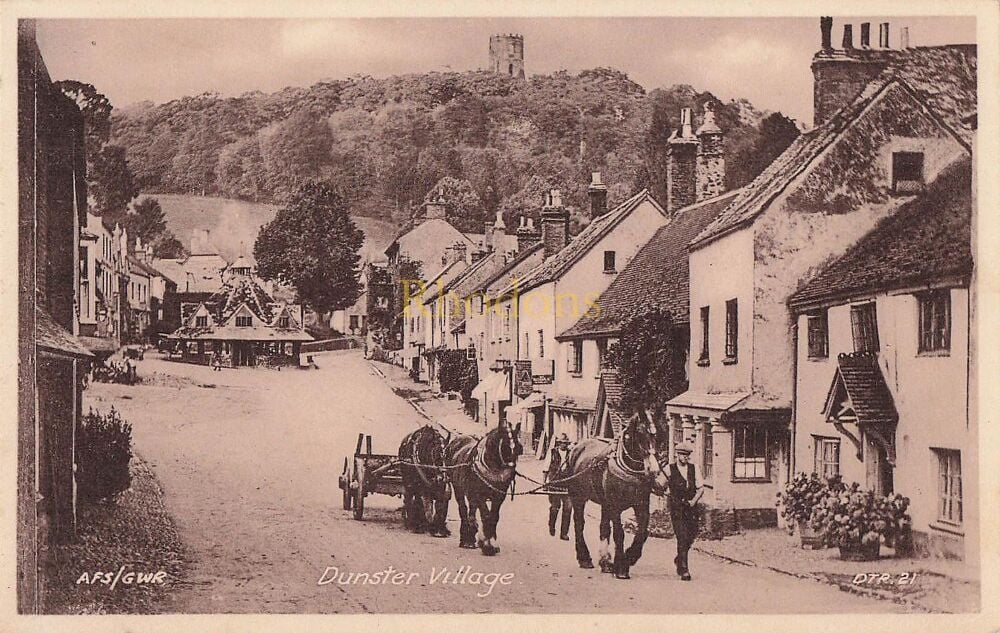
(426, 241)
(234, 333)
(51, 336)
(553, 267)
(943, 77)
(657, 275)
(609, 397)
(516, 268)
(862, 379)
(442, 279)
(929, 238)
(241, 289)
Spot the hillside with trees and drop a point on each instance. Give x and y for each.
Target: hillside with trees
(493, 142)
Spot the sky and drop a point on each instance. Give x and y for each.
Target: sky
(765, 60)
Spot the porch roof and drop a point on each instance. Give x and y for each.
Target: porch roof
(860, 379)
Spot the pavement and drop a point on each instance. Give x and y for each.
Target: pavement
(248, 460)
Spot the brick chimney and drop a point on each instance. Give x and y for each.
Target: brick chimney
(555, 224)
(839, 76)
(711, 168)
(436, 208)
(526, 233)
(598, 194)
(682, 178)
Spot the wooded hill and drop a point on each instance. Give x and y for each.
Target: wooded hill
(494, 143)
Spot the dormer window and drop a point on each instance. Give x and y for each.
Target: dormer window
(283, 321)
(201, 321)
(244, 321)
(907, 172)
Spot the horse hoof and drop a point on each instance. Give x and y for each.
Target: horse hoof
(489, 550)
(468, 545)
(440, 534)
(586, 564)
(606, 568)
(622, 576)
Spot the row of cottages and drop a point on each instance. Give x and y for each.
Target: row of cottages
(430, 244)
(52, 212)
(197, 276)
(121, 294)
(240, 325)
(888, 126)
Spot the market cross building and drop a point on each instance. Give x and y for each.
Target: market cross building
(241, 324)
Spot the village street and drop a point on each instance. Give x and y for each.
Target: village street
(248, 460)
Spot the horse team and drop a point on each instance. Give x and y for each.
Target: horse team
(616, 475)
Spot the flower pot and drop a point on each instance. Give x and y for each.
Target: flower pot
(860, 551)
(810, 538)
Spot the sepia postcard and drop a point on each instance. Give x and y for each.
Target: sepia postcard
(403, 311)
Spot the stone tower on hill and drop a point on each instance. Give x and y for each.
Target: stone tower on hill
(507, 55)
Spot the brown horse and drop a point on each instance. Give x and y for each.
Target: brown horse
(425, 482)
(615, 475)
(481, 472)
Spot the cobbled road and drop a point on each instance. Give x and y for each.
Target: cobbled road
(249, 459)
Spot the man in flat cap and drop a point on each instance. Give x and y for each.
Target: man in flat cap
(682, 496)
(555, 471)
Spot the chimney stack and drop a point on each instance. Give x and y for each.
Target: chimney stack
(526, 233)
(682, 156)
(904, 37)
(598, 194)
(435, 209)
(866, 34)
(711, 163)
(826, 33)
(848, 42)
(555, 224)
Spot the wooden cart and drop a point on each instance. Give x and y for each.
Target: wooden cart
(369, 473)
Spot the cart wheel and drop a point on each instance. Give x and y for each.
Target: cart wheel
(359, 493)
(346, 478)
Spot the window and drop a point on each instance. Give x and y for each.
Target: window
(818, 335)
(864, 327)
(541, 343)
(284, 322)
(826, 460)
(750, 454)
(703, 358)
(482, 341)
(576, 357)
(949, 485)
(527, 348)
(506, 322)
(470, 353)
(907, 172)
(602, 353)
(677, 432)
(609, 261)
(732, 330)
(244, 321)
(201, 321)
(708, 451)
(935, 321)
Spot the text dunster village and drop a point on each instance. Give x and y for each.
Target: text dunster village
(497, 340)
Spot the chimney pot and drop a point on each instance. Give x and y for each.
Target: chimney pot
(598, 194)
(826, 32)
(848, 36)
(866, 34)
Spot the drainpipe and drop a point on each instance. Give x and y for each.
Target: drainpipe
(795, 396)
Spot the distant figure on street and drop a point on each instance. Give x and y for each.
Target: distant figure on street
(216, 360)
(554, 471)
(683, 495)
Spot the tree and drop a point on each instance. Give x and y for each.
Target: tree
(96, 110)
(111, 183)
(650, 358)
(774, 135)
(313, 246)
(146, 221)
(167, 246)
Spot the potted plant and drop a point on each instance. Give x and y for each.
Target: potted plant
(801, 496)
(858, 522)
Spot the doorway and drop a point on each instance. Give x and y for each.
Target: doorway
(878, 470)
